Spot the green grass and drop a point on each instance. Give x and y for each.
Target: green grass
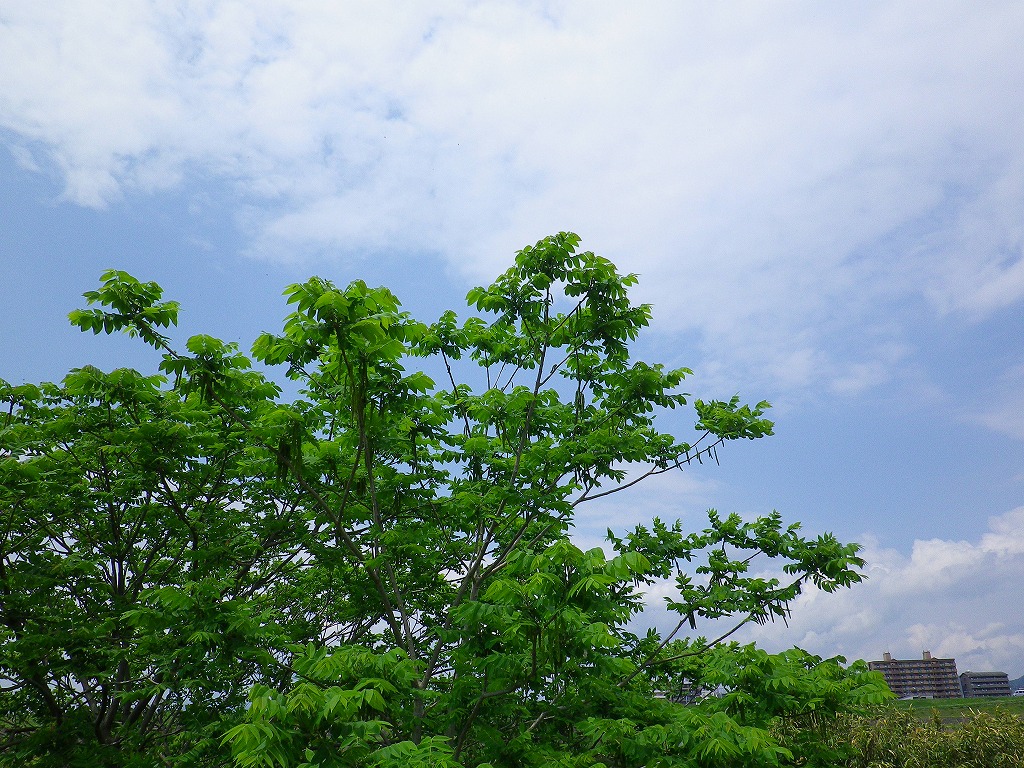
(952, 710)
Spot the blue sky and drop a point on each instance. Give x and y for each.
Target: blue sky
(825, 203)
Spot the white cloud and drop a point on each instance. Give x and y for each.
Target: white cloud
(779, 175)
(983, 268)
(1004, 405)
(1006, 535)
(956, 599)
(23, 157)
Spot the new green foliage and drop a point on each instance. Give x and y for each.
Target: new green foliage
(379, 571)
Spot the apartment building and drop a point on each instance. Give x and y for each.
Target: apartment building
(924, 678)
(978, 684)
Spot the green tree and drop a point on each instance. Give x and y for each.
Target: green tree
(379, 571)
(145, 567)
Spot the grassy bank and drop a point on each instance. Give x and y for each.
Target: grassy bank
(956, 710)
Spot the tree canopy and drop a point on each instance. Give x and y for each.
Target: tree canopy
(379, 570)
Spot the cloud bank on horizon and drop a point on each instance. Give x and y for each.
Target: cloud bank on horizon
(777, 173)
(955, 598)
(798, 185)
(929, 600)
